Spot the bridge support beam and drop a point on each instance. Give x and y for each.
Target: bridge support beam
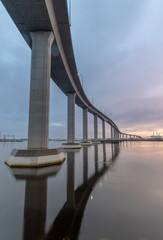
(103, 129)
(71, 123)
(85, 128)
(38, 154)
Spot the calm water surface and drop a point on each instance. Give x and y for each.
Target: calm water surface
(104, 192)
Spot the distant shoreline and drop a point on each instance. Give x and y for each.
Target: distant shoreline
(11, 140)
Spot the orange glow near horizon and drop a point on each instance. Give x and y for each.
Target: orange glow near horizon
(145, 133)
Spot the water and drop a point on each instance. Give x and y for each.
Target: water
(104, 192)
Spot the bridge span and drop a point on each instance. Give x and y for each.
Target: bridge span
(44, 24)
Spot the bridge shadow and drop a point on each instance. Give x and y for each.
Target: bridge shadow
(67, 223)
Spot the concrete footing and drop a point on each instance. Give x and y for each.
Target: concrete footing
(112, 140)
(71, 146)
(96, 142)
(35, 173)
(35, 158)
(89, 143)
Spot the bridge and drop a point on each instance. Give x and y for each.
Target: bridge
(44, 24)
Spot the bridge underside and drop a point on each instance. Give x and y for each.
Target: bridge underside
(32, 15)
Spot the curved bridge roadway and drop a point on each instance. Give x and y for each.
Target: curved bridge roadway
(52, 15)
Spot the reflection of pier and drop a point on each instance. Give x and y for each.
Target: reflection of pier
(35, 199)
(115, 151)
(68, 221)
(35, 209)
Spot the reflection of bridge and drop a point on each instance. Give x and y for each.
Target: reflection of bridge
(68, 221)
(44, 24)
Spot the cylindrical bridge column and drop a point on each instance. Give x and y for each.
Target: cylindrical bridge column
(71, 118)
(85, 124)
(103, 129)
(38, 126)
(95, 128)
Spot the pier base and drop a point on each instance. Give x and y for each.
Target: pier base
(88, 143)
(96, 142)
(35, 158)
(71, 146)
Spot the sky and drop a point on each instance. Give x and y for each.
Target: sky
(118, 47)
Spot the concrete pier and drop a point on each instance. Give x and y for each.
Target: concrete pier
(85, 124)
(71, 118)
(116, 134)
(112, 132)
(95, 130)
(38, 154)
(38, 127)
(85, 128)
(71, 123)
(103, 129)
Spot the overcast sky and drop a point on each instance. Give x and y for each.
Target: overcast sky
(118, 47)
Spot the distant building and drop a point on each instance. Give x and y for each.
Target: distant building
(156, 136)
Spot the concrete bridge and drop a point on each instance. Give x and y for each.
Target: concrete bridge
(44, 24)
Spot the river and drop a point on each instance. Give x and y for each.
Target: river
(103, 192)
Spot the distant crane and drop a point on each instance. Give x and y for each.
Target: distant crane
(7, 136)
